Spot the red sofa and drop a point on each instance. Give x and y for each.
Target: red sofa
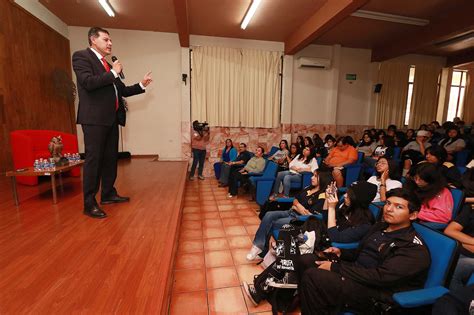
(30, 145)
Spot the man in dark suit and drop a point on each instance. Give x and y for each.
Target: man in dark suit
(100, 112)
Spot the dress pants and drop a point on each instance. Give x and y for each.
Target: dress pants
(326, 292)
(101, 146)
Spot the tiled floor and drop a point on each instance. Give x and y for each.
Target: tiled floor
(216, 234)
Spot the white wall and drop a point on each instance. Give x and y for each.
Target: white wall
(154, 118)
(354, 96)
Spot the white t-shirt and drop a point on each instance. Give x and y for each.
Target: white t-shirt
(313, 164)
(389, 185)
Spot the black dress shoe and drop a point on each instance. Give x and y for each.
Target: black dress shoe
(95, 212)
(114, 199)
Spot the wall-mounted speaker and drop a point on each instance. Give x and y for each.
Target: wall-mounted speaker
(378, 88)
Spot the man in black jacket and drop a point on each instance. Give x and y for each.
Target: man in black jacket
(100, 112)
(391, 258)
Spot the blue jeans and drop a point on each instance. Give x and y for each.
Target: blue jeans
(463, 271)
(272, 220)
(199, 157)
(287, 178)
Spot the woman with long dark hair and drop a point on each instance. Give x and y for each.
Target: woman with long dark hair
(353, 219)
(452, 142)
(310, 200)
(386, 178)
(430, 186)
(304, 162)
(366, 145)
(229, 154)
(437, 155)
(308, 142)
(280, 156)
(300, 142)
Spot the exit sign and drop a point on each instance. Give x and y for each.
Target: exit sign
(351, 76)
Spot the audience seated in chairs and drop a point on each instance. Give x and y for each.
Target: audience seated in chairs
(294, 151)
(386, 178)
(329, 143)
(384, 148)
(437, 155)
(366, 145)
(304, 162)
(239, 162)
(353, 219)
(452, 142)
(342, 154)
(280, 157)
(462, 230)
(430, 186)
(229, 154)
(414, 151)
(310, 200)
(255, 165)
(391, 258)
(468, 183)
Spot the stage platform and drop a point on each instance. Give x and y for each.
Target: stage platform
(55, 260)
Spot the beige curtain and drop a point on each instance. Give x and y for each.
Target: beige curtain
(392, 99)
(424, 102)
(468, 108)
(235, 87)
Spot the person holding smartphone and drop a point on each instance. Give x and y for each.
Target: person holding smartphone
(391, 258)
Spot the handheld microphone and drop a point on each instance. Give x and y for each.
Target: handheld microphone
(122, 76)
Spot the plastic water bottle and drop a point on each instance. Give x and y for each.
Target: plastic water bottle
(52, 164)
(36, 165)
(40, 165)
(78, 157)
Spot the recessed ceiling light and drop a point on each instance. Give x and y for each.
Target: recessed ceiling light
(390, 17)
(250, 13)
(107, 7)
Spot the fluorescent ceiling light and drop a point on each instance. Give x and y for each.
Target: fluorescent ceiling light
(250, 13)
(390, 17)
(107, 7)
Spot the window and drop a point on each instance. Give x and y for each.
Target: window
(456, 94)
(411, 80)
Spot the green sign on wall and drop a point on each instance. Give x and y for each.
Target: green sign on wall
(351, 76)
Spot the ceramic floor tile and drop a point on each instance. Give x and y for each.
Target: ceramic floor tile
(189, 303)
(191, 225)
(228, 214)
(226, 202)
(220, 258)
(211, 215)
(209, 208)
(189, 280)
(226, 207)
(251, 229)
(239, 256)
(239, 201)
(222, 277)
(246, 213)
(212, 223)
(191, 209)
(194, 203)
(190, 246)
(189, 234)
(247, 272)
(191, 198)
(189, 261)
(208, 198)
(239, 241)
(215, 244)
(250, 220)
(226, 301)
(235, 230)
(192, 216)
(264, 306)
(205, 203)
(231, 222)
(211, 232)
(243, 206)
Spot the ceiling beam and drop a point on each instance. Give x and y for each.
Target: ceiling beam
(181, 12)
(327, 16)
(466, 57)
(449, 26)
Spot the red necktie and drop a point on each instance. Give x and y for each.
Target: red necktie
(107, 68)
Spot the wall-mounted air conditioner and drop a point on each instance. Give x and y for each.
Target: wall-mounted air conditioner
(310, 62)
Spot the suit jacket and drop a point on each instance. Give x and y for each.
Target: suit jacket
(96, 91)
